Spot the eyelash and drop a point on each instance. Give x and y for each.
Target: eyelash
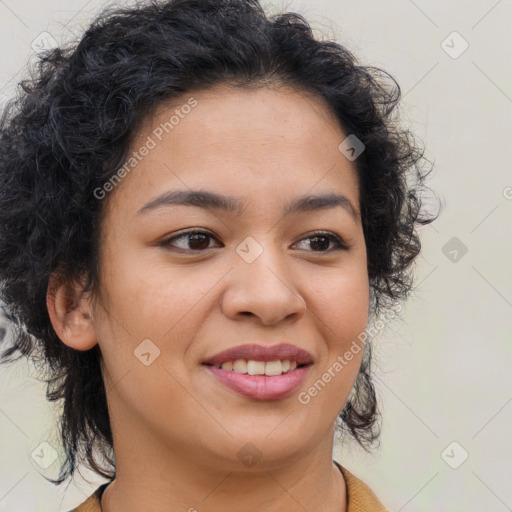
(340, 244)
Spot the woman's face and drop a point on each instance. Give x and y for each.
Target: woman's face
(257, 276)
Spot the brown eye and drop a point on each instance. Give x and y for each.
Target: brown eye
(321, 241)
(190, 241)
(198, 241)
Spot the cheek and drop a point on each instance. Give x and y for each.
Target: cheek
(152, 300)
(342, 307)
(145, 293)
(347, 314)
(341, 302)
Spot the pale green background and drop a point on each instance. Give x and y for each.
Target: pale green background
(443, 374)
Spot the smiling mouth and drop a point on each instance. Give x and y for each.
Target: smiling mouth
(253, 367)
(261, 380)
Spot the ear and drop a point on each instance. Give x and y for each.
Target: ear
(70, 312)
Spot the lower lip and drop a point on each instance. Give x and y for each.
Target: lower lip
(261, 387)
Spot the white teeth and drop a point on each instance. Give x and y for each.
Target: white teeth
(251, 367)
(273, 368)
(256, 367)
(240, 366)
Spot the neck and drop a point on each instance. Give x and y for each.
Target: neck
(151, 478)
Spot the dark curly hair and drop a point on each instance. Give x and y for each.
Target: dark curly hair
(70, 128)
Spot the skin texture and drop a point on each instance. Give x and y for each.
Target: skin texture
(177, 430)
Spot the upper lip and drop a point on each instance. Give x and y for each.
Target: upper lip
(257, 352)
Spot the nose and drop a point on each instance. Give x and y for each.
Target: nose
(264, 289)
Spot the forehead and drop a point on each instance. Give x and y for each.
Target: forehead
(242, 142)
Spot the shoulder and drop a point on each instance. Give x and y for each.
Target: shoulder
(360, 498)
(92, 504)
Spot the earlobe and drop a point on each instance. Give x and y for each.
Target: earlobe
(70, 313)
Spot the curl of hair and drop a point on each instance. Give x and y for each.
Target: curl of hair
(70, 128)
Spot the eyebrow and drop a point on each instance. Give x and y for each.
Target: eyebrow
(210, 200)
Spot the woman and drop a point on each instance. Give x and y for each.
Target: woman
(208, 376)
